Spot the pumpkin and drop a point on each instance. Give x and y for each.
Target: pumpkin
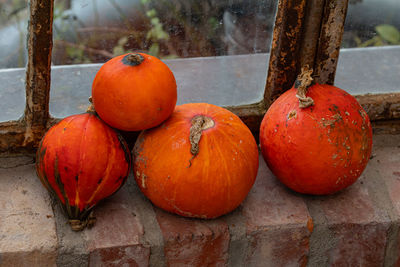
(81, 161)
(320, 144)
(201, 162)
(134, 91)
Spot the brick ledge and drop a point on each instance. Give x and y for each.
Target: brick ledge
(273, 227)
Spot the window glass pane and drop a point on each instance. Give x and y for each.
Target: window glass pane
(13, 53)
(369, 61)
(217, 49)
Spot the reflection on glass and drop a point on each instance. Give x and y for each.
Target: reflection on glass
(226, 40)
(372, 23)
(91, 31)
(13, 53)
(13, 24)
(371, 63)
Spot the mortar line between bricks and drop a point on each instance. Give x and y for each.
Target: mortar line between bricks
(238, 239)
(15, 166)
(5, 163)
(152, 233)
(72, 246)
(321, 234)
(380, 195)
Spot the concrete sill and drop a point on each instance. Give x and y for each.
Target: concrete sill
(223, 81)
(273, 227)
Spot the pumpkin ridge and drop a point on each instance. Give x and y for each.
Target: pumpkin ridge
(111, 151)
(228, 138)
(246, 156)
(228, 177)
(81, 162)
(57, 178)
(125, 148)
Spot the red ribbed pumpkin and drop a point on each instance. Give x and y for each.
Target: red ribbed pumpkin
(81, 160)
(201, 162)
(133, 92)
(319, 149)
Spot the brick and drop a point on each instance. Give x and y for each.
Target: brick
(27, 225)
(193, 242)
(385, 165)
(352, 226)
(116, 238)
(277, 223)
(353, 205)
(72, 250)
(358, 226)
(358, 244)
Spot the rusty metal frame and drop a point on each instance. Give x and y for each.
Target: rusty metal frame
(23, 136)
(310, 33)
(306, 32)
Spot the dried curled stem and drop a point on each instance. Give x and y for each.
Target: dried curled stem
(303, 81)
(199, 124)
(79, 225)
(90, 108)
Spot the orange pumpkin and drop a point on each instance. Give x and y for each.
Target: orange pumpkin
(133, 92)
(81, 160)
(319, 149)
(201, 162)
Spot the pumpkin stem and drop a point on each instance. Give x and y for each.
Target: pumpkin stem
(132, 59)
(79, 225)
(303, 81)
(90, 108)
(199, 124)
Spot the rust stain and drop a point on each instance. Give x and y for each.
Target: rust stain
(330, 40)
(310, 225)
(331, 122)
(292, 115)
(285, 48)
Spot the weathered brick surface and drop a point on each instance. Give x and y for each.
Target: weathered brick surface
(72, 249)
(352, 226)
(278, 223)
(386, 162)
(116, 238)
(27, 226)
(385, 165)
(193, 242)
(356, 227)
(359, 226)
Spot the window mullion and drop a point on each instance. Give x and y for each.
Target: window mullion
(285, 48)
(305, 33)
(39, 45)
(330, 40)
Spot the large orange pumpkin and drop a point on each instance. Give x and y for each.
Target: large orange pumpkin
(81, 160)
(201, 162)
(319, 149)
(134, 91)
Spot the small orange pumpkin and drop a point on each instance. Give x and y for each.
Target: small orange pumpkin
(81, 160)
(134, 92)
(320, 148)
(201, 162)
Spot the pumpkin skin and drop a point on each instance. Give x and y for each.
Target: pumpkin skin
(81, 161)
(134, 96)
(207, 185)
(320, 149)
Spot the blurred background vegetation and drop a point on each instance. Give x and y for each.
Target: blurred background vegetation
(93, 31)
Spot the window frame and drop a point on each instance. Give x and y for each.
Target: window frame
(305, 33)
